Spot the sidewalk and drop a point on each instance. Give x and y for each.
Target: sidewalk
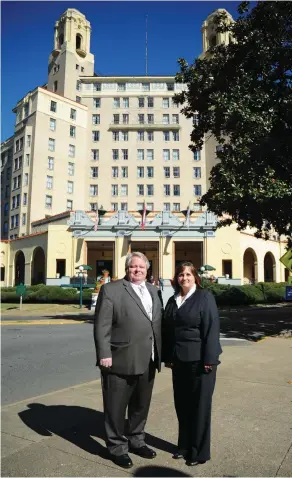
(60, 434)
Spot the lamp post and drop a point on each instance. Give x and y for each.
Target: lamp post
(202, 270)
(81, 275)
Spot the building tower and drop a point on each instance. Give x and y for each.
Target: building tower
(71, 57)
(210, 36)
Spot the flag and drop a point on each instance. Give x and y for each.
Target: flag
(96, 220)
(187, 221)
(143, 222)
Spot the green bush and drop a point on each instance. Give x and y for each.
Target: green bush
(226, 295)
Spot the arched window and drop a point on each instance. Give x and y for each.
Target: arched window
(78, 41)
(61, 40)
(213, 40)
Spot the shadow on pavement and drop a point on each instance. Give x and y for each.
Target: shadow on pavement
(158, 471)
(255, 324)
(78, 425)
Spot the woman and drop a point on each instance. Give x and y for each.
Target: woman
(191, 347)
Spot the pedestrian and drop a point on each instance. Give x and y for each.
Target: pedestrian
(127, 334)
(161, 283)
(191, 347)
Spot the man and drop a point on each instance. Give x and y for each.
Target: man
(127, 334)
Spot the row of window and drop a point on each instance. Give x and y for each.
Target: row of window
(124, 136)
(14, 221)
(124, 154)
(141, 102)
(19, 143)
(52, 147)
(145, 189)
(53, 109)
(49, 184)
(145, 86)
(17, 181)
(141, 119)
(149, 206)
(72, 129)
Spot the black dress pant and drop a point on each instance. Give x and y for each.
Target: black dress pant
(193, 390)
(119, 393)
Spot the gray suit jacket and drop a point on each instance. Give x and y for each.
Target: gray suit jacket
(123, 330)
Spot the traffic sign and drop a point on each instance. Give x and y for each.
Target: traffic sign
(286, 259)
(21, 289)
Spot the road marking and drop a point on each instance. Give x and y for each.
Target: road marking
(234, 339)
(41, 322)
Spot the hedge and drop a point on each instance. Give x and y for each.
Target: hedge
(225, 295)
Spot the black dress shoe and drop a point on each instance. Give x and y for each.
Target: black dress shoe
(177, 456)
(194, 463)
(122, 460)
(144, 452)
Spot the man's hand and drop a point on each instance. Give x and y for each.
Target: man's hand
(208, 368)
(106, 362)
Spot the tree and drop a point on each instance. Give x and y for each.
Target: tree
(243, 97)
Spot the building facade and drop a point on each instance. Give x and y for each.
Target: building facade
(91, 143)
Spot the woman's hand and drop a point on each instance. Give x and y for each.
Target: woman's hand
(208, 368)
(168, 364)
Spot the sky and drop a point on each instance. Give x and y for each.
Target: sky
(117, 40)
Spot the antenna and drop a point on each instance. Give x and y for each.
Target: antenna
(146, 44)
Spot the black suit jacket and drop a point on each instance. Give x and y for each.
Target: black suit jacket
(192, 332)
(123, 330)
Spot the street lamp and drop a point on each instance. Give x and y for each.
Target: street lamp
(202, 270)
(81, 275)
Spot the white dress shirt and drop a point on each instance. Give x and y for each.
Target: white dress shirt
(146, 299)
(181, 300)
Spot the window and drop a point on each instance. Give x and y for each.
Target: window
(97, 86)
(70, 187)
(61, 267)
(150, 154)
(145, 86)
(176, 172)
(95, 119)
(121, 86)
(197, 155)
(78, 85)
(150, 135)
(6, 192)
(124, 171)
(166, 189)
(140, 135)
(141, 119)
(115, 154)
(170, 86)
(27, 160)
(165, 102)
(73, 114)
(15, 164)
(8, 173)
(71, 151)
(176, 190)
(219, 148)
(141, 102)
(16, 220)
(227, 267)
(196, 173)
(26, 110)
(25, 182)
(93, 190)
(93, 206)
(96, 102)
(77, 67)
(49, 182)
(55, 86)
(140, 189)
(78, 99)
(115, 190)
(176, 206)
(197, 190)
(125, 154)
(166, 155)
(116, 136)
(51, 144)
(140, 154)
(139, 206)
(13, 202)
(124, 206)
(18, 200)
(124, 190)
(125, 119)
(116, 119)
(95, 154)
(48, 203)
(150, 102)
(12, 222)
(150, 119)
(114, 206)
(126, 102)
(173, 104)
(71, 168)
(165, 119)
(166, 135)
(2, 278)
(6, 208)
(150, 172)
(166, 172)
(53, 107)
(73, 131)
(115, 172)
(95, 136)
(175, 154)
(14, 183)
(175, 135)
(175, 119)
(124, 136)
(150, 206)
(140, 172)
(28, 140)
(196, 119)
(25, 199)
(23, 219)
(166, 205)
(150, 190)
(52, 124)
(197, 206)
(117, 103)
(69, 204)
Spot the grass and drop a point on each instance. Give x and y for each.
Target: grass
(49, 308)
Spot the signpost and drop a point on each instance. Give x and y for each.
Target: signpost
(286, 259)
(21, 291)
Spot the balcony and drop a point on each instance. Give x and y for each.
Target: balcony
(136, 125)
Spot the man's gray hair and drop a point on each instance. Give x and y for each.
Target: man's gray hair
(136, 254)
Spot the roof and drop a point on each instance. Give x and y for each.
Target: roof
(46, 220)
